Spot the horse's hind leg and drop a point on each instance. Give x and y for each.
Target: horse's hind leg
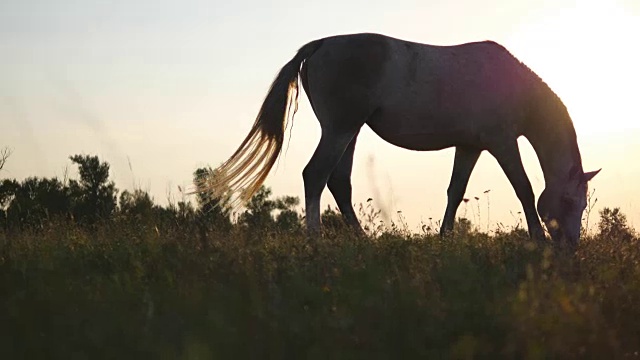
(340, 186)
(463, 164)
(316, 174)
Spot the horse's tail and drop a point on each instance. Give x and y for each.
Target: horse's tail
(245, 171)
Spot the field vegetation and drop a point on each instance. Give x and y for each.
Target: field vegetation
(87, 271)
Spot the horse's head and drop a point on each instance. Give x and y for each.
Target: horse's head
(561, 205)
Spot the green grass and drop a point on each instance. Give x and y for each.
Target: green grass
(123, 291)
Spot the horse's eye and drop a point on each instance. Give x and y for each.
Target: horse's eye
(567, 203)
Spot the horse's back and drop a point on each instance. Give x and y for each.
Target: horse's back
(442, 92)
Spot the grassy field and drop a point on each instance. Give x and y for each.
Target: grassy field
(136, 292)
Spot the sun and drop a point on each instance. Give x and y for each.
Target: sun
(588, 54)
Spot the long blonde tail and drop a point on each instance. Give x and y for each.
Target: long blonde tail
(246, 170)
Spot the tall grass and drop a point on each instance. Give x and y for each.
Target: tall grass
(129, 291)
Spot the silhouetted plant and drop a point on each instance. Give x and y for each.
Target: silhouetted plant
(7, 192)
(94, 195)
(462, 226)
(214, 212)
(34, 201)
(137, 204)
(258, 211)
(4, 155)
(332, 221)
(613, 225)
(288, 219)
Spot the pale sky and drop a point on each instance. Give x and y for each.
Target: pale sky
(169, 86)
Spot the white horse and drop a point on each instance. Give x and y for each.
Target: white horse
(473, 97)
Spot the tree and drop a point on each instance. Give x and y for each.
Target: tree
(613, 225)
(137, 204)
(94, 195)
(7, 194)
(34, 201)
(181, 215)
(288, 218)
(212, 211)
(259, 212)
(184, 212)
(4, 155)
(333, 221)
(259, 209)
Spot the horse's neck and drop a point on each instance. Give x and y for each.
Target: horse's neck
(556, 145)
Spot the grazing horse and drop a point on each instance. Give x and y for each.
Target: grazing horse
(474, 97)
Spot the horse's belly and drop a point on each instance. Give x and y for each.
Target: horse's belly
(422, 132)
(419, 142)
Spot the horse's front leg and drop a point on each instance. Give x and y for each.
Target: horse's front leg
(508, 156)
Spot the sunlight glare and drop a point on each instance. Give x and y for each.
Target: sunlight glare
(588, 55)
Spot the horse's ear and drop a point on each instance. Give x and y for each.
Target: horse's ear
(589, 175)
